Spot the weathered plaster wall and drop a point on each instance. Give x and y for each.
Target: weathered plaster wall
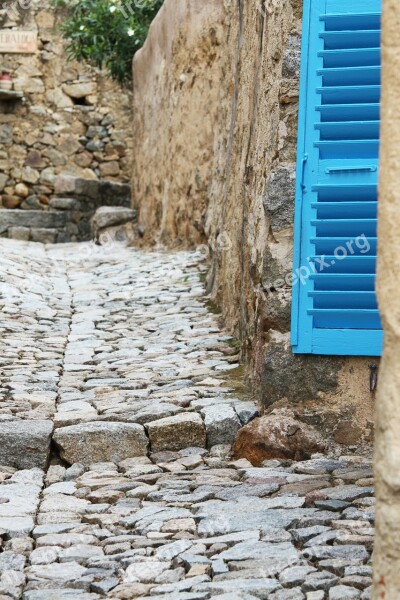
(175, 109)
(73, 120)
(251, 94)
(387, 453)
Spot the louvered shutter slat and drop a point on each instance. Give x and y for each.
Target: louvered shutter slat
(348, 130)
(334, 307)
(347, 282)
(353, 76)
(361, 57)
(350, 94)
(357, 20)
(328, 245)
(335, 40)
(350, 264)
(351, 112)
(346, 318)
(332, 210)
(351, 228)
(348, 191)
(344, 299)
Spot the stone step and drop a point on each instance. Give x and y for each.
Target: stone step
(31, 218)
(69, 213)
(34, 225)
(100, 191)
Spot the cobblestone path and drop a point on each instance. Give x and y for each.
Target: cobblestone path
(116, 419)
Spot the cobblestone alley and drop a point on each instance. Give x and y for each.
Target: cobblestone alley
(116, 420)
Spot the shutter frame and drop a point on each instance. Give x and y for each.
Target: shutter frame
(300, 169)
(338, 138)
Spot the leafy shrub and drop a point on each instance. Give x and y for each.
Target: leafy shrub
(107, 33)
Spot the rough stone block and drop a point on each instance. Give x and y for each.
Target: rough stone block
(6, 134)
(109, 169)
(107, 216)
(63, 237)
(25, 444)
(115, 194)
(260, 588)
(30, 175)
(341, 592)
(97, 441)
(19, 233)
(88, 188)
(298, 378)
(59, 594)
(291, 58)
(277, 435)
(222, 424)
(279, 197)
(176, 433)
(64, 184)
(246, 411)
(17, 526)
(45, 236)
(3, 181)
(120, 234)
(10, 201)
(80, 90)
(64, 204)
(32, 218)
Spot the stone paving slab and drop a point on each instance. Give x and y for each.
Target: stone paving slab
(116, 350)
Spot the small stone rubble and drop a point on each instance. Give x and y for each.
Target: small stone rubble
(111, 355)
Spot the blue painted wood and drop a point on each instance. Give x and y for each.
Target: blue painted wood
(334, 302)
(348, 342)
(300, 170)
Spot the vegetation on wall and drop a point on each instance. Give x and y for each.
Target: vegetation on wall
(107, 33)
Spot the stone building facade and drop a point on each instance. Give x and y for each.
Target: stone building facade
(71, 120)
(222, 173)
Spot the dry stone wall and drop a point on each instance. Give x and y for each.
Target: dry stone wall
(249, 84)
(72, 119)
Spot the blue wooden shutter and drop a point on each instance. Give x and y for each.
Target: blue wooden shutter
(334, 303)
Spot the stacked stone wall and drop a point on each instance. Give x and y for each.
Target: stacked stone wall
(71, 119)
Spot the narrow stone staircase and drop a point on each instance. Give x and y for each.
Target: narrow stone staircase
(67, 218)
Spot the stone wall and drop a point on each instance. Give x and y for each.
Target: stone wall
(249, 85)
(175, 109)
(71, 120)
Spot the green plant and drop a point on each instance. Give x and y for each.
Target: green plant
(107, 33)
